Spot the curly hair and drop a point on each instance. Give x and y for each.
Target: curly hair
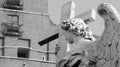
(77, 27)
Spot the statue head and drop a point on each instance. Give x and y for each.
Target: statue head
(76, 29)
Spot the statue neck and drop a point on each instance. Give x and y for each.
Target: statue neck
(70, 46)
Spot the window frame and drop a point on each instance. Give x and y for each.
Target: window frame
(11, 20)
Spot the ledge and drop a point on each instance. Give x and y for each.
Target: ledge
(25, 12)
(8, 57)
(31, 49)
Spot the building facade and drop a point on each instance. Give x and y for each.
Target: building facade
(24, 23)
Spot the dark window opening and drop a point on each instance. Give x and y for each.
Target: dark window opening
(13, 4)
(13, 30)
(23, 53)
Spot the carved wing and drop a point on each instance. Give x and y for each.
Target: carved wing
(109, 44)
(105, 51)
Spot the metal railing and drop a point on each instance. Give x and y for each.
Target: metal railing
(11, 29)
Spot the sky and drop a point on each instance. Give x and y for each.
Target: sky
(97, 27)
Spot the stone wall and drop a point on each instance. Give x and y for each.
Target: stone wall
(36, 26)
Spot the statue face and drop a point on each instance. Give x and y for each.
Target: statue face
(71, 38)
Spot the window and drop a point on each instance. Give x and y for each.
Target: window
(12, 30)
(2, 39)
(25, 42)
(13, 18)
(47, 54)
(13, 4)
(43, 58)
(23, 53)
(12, 26)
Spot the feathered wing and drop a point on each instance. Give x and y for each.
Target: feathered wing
(109, 45)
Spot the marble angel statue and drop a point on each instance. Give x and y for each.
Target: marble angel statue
(86, 50)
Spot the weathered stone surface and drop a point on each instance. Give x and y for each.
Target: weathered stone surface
(110, 36)
(104, 52)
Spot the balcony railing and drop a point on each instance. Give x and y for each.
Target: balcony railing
(11, 29)
(13, 4)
